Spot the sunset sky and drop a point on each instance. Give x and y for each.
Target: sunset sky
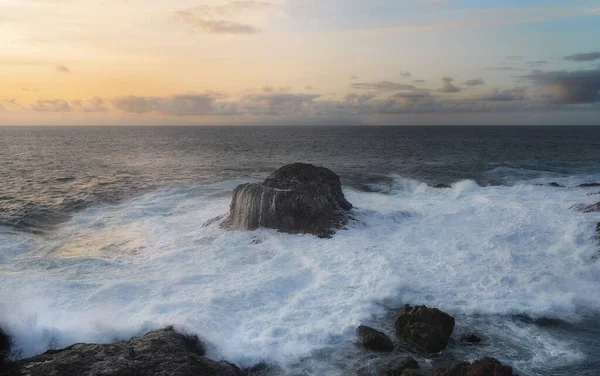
(299, 62)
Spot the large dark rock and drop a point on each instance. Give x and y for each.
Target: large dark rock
(159, 353)
(297, 198)
(483, 367)
(426, 328)
(470, 338)
(5, 344)
(373, 339)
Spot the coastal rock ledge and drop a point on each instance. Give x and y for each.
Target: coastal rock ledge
(297, 198)
(162, 352)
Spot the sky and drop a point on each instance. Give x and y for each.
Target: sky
(330, 62)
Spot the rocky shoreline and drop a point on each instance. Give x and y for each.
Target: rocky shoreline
(297, 198)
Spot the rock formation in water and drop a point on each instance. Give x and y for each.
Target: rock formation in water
(373, 339)
(401, 367)
(428, 329)
(297, 198)
(159, 353)
(592, 208)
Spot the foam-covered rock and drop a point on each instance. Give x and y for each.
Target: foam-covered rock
(483, 367)
(297, 198)
(426, 328)
(159, 353)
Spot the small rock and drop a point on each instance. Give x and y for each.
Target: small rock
(373, 339)
(598, 229)
(442, 186)
(5, 344)
(401, 367)
(483, 367)
(427, 328)
(470, 338)
(589, 185)
(556, 185)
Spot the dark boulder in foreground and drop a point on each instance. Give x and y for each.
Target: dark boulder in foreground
(5, 343)
(159, 353)
(483, 367)
(428, 329)
(373, 339)
(297, 198)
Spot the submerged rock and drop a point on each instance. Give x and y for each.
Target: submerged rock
(483, 367)
(598, 230)
(5, 344)
(373, 339)
(470, 339)
(159, 353)
(427, 328)
(442, 186)
(297, 198)
(592, 208)
(589, 185)
(400, 368)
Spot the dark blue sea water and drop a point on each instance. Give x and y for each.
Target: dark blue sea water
(102, 237)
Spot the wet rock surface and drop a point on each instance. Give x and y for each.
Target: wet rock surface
(483, 367)
(297, 198)
(373, 339)
(163, 352)
(5, 345)
(426, 328)
(400, 367)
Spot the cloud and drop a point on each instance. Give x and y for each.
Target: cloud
(433, 3)
(537, 62)
(382, 86)
(176, 105)
(230, 18)
(475, 82)
(418, 81)
(568, 87)
(448, 86)
(278, 103)
(51, 105)
(507, 68)
(95, 104)
(353, 77)
(308, 87)
(590, 56)
(267, 89)
(405, 73)
(514, 58)
(62, 69)
(516, 94)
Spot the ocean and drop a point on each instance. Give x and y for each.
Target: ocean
(103, 236)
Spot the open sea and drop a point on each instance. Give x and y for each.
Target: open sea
(102, 238)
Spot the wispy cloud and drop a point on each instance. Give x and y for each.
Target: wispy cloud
(62, 69)
(590, 56)
(448, 86)
(475, 82)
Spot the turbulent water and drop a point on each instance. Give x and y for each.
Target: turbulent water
(102, 238)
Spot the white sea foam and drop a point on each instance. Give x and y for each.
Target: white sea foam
(112, 272)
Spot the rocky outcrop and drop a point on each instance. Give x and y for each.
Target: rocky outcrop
(5, 344)
(483, 367)
(428, 329)
(373, 339)
(399, 368)
(589, 185)
(297, 198)
(159, 353)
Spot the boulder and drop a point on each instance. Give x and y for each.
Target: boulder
(442, 186)
(598, 230)
(399, 368)
(428, 329)
(556, 185)
(592, 208)
(297, 198)
(5, 344)
(589, 185)
(483, 367)
(159, 353)
(373, 339)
